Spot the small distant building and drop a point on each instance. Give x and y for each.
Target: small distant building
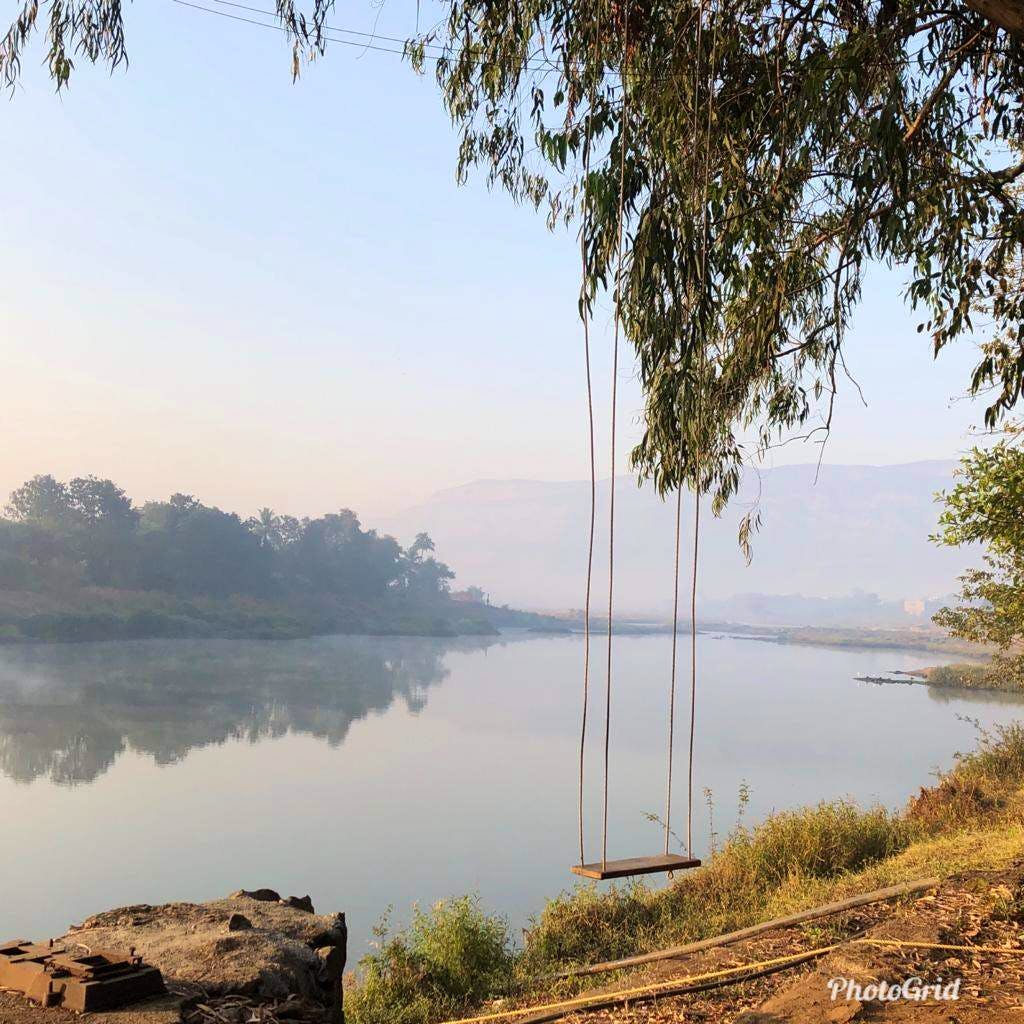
(914, 606)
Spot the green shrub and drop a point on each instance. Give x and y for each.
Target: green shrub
(999, 756)
(813, 842)
(960, 677)
(589, 924)
(731, 891)
(445, 962)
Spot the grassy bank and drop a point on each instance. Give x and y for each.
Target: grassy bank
(455, 956)
(103, 613)
(1000, 674)
(858, 638)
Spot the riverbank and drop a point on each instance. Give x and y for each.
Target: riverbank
(456, 959)
(856, 637)
(100, 613)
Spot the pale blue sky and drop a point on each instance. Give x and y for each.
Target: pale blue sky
(220, 282)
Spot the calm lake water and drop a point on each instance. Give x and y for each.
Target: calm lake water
(376, 772)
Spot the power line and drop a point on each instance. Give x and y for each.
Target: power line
(534, 65)
(281, 28)
(330, 28)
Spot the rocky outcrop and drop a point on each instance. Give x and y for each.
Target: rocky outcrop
(249, 944)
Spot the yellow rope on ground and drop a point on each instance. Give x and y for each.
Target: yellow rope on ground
(940, 945)
(581, 1002)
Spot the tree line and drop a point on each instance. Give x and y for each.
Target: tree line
(88, 532)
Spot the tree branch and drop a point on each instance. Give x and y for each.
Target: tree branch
(1006, 14)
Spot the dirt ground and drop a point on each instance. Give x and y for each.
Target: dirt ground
(978, 909)
(166, 1010)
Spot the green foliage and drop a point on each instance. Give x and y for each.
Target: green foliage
(987, 506)
(763, 155)
(756, 157)
(446, 961)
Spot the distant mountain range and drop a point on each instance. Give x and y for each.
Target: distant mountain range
(857, 529)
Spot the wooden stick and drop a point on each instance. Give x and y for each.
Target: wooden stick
(903, 889)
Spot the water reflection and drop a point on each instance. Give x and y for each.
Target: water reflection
(991, 698)
(68, 712)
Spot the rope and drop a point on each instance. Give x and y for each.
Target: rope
(899, 943)
(693, 675)
(582, 1001)
(698, 481)
(585, 315)
(672, 685)
(739, 969)
(615, 381)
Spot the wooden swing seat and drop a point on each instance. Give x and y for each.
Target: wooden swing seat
(635, 866)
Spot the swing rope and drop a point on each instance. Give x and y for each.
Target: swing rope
(615, 380)
(585, 316)
(698, 479)
(672, 686)
(675, 586)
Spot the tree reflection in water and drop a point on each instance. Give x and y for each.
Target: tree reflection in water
(68, 711)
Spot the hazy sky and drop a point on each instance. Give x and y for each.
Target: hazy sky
(219, 282)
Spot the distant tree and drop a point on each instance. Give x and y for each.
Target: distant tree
(333, 554)
(420, 546)
(39, 500)
(96, 502)
(88, 532)
(266, 527)
(191, 548)
(430, 578)
(103, 523)
(290, 529)
(424, 575)
(987, 507)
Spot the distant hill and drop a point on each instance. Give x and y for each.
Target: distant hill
(859, 528)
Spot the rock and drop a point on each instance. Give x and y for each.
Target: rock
(273, 959)
(332, 964)
(261, 895)
(845, 1011)
(239, 923)
(299, 903)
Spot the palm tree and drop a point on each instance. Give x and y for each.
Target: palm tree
(267, 528)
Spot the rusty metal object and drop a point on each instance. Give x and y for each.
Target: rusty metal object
(101, 979)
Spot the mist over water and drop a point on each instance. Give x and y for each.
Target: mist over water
(374, 772)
